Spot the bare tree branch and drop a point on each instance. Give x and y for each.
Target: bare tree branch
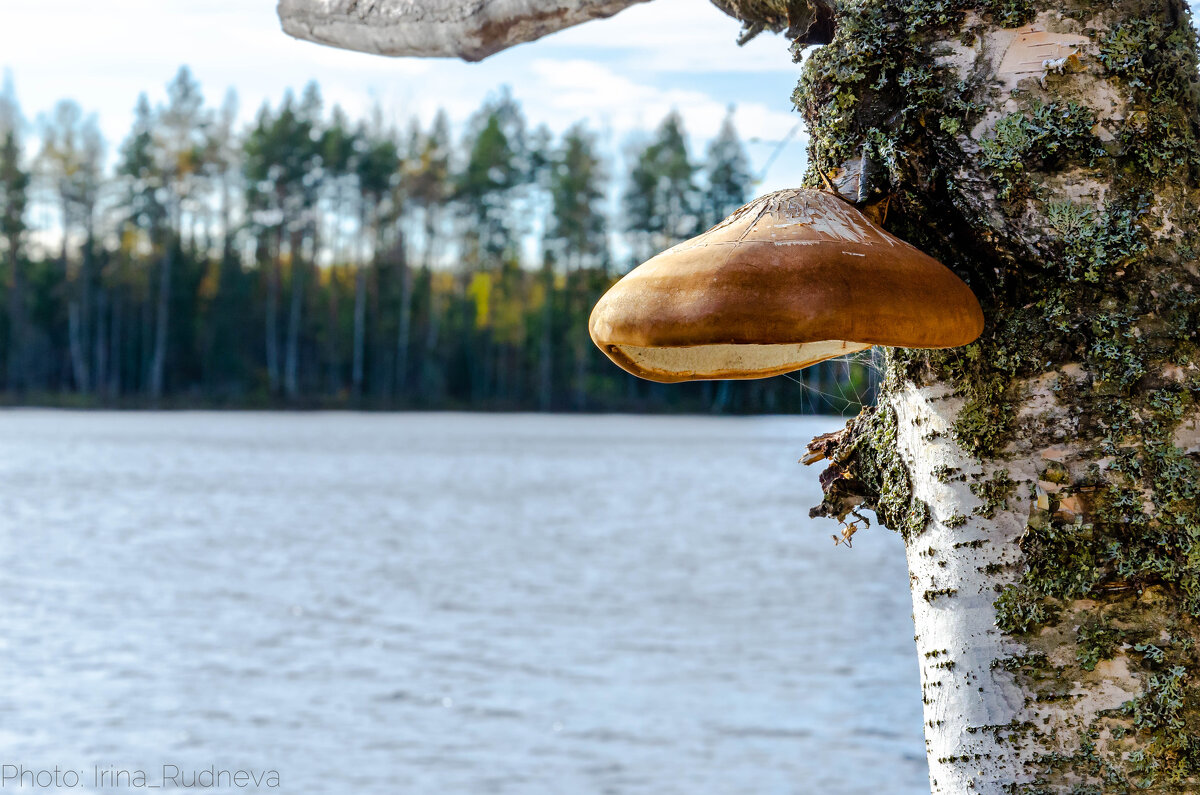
(436, 28)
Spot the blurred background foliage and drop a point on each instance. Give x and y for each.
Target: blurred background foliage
(312, 260)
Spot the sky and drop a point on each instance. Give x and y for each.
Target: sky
(621, 74)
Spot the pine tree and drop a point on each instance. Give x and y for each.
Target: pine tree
(378, 169)
(282, 168)
(578, 225)
(179, 147)
(338, 147)
(225, 362)
(482, 190)
(662, 200)
(727, 175)
(578, 238)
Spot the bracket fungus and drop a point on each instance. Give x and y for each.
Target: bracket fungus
(789, 280)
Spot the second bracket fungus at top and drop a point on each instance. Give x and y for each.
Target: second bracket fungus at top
(789, 280)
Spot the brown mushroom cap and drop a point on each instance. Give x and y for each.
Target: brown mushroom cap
(791, 279)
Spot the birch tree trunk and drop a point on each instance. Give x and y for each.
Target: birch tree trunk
(100, 351)
(577, 293)
(546, 341)
(114, 384)
(162, 319)
(18, 336)
(291, 361)
(358, 365)
(272, 263)
(1046, 479)
(333, 352)
(74, 346)
(79, 368)
(87, 274)
(404, 321)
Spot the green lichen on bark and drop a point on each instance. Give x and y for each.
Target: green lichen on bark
(993, 493)
(1044, 137)
(1096, 290)
(1147, 743)
(1098, 640)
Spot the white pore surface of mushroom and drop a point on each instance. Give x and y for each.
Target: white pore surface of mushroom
(699, 363)
(436, 28)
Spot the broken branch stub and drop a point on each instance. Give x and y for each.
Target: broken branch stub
(436, 28)
(842, 490)
(824, 446)
(803, 21)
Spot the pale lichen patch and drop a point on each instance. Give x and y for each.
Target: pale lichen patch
(1187, 435)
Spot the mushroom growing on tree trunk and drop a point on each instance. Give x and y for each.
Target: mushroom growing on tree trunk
(791, 279)
(1046, 478)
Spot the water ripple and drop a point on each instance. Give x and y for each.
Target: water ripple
(448, 604)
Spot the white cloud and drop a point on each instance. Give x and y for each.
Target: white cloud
(678, 36)
(622, 74)
(578, 89)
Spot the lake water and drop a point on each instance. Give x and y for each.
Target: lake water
(446, 603)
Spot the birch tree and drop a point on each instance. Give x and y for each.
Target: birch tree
(143, 229)
(70, 163)
(429, 188)
(1045, 479)
(179, 146)
(306, 178)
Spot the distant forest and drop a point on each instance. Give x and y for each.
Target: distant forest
(312, 260)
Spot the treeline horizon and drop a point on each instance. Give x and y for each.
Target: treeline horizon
(312, 260)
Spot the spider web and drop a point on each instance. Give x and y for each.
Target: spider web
(856, 380)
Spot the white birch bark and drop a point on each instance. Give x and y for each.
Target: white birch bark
(975, 704)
